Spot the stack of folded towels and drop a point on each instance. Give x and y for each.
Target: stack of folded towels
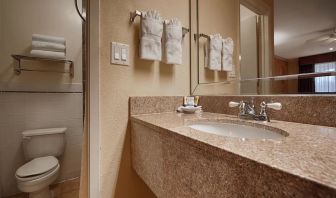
(45, 46)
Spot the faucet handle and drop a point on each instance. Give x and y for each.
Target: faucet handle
(274, 105)
(233, 104)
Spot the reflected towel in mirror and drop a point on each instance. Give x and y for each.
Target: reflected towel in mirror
(227, 61)
(215, 52)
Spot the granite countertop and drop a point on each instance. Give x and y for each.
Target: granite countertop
(307, 152)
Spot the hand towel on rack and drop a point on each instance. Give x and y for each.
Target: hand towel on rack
(47, 54)
(150, 37)
(41, 45)
(227, 62)
(46, 38)
(173, 42)
(215, 52)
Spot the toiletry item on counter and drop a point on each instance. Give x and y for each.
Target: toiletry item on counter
(196, 100)
(189, 109)
(215, 52)
(150, 36)
(173, 42)
(228, 47)
(189, 101)
(190, 105)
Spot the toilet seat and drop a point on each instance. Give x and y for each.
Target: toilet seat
(37, 168)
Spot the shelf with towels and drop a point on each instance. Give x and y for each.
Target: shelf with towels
(18, 68)
(137, 13)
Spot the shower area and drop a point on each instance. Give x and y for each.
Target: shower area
(42, 86)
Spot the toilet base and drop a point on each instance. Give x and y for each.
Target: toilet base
(44, 193)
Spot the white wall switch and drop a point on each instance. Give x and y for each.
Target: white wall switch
(119, 53)
(124, 54)
(116, 56)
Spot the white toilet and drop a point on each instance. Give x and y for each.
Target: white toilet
(41, 147)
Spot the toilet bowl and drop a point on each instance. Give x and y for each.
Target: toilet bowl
(35, 176)
(41, 147)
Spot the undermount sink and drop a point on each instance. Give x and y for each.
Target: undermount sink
(238, 130)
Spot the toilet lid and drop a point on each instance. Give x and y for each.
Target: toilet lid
(37, 166)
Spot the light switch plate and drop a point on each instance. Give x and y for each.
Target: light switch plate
(119, 53)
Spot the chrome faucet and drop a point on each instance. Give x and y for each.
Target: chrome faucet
(247, 110)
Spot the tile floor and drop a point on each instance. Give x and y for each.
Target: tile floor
(66, 189)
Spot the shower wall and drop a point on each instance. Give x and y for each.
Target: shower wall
(38, 99)
(21, 19)
(22, 111)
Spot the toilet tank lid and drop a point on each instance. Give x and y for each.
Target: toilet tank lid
(35, 132)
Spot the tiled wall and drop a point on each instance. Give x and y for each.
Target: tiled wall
(22, 111)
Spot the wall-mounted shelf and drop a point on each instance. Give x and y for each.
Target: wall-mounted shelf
(18, 68)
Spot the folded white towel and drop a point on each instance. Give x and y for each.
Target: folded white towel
(41, 45)
(173, 42)
(215, 52)
(150, 37)
(47, 54)
(227, 54)
(46, 38)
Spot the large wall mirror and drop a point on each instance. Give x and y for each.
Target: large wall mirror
(279, 47)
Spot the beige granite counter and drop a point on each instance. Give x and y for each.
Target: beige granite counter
(301, 164)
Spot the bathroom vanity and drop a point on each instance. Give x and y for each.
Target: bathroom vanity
(176, 160)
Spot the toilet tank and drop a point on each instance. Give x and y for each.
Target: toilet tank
(43, 142)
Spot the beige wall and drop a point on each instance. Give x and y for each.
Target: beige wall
(25, 111)
(20, 19)
(117, 83)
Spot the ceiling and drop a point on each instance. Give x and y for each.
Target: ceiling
(296, 21)
(245, 13)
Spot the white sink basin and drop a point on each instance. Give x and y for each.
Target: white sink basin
(236, 130)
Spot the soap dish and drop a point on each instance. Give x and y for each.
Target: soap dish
(189, 109)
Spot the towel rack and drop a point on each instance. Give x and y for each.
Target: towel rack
(18, 68)
(137, 13)
(197, 36)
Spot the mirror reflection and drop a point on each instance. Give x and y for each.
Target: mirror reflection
(280, 46)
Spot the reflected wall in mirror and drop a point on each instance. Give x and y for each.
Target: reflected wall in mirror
(304, 42)
(210, 18)
(282, 47)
